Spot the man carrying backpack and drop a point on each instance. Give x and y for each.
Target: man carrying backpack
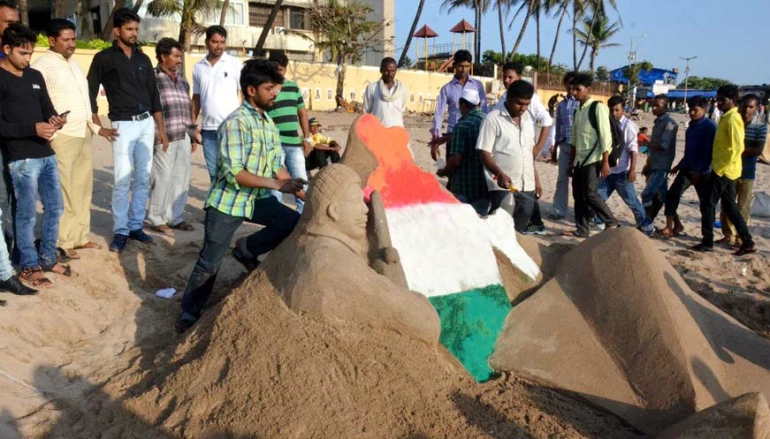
(662, 153)
(623, 174)
(589, 158)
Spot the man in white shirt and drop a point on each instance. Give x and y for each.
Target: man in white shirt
(216, 87)
(623, 175)
(505, 144)
(386, 98)
(537, 111)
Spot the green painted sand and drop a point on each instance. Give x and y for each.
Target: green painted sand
(470, 324)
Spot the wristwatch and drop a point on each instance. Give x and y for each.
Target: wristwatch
(309, 140)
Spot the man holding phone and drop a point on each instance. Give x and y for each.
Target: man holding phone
(68, 88)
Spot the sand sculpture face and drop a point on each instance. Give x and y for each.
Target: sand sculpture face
(337, 203)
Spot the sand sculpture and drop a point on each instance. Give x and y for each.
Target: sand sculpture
(744, 417)
(618, 327)
(322, 269)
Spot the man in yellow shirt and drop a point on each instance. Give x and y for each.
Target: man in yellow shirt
(726, 164)
(324, 148)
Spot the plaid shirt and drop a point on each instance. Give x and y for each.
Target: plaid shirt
(177, 106)
(247, 141)
(565, 112)
(467, 180)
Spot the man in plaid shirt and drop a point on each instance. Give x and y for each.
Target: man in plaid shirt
(170, 179)
(249, 167)
(564, 114)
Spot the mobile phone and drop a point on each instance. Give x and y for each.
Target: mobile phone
(65, 113)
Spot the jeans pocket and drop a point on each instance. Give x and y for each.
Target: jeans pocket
(16, 168)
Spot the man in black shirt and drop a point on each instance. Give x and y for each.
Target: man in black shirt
(129, 82)
(28, 120)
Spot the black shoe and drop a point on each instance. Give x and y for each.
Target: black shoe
(702, 248)
(14, 285)
(249, 264)
(139, 235)
(182, 325)
(555, 217)
(118, 243)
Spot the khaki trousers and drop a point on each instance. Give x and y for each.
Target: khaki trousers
(744, 189)
(73, 157)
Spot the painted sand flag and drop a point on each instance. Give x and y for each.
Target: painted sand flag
(446, 249)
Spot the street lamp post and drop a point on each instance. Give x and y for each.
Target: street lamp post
(686, 74)
(631, 62)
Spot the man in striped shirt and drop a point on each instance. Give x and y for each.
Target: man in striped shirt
(289, 114)
(248, 168)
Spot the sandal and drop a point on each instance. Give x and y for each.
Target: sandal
(166, 230)
(70, 254)
(183, 226)
(67, 269)
(35, 277)
(746, 250)
(573, 234)
(88, 246)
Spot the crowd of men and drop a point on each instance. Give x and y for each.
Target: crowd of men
(252, 117)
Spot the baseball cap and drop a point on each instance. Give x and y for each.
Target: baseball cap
(314, 121)
(471, 96)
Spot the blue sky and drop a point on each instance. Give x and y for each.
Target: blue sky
(728, 37)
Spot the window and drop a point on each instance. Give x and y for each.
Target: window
(235, 15)
(259, 13)
(298, 19)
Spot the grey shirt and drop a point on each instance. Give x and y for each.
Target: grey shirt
(664, 134)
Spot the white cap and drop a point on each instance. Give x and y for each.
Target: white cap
(471, 96)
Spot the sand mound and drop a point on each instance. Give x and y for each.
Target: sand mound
(619, 327)
(744, 417)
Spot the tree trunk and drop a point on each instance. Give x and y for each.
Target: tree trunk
(477, 39)
(537, 27)
(556, 38)
(223, 15)
(574, 36)
(107, 30)
(502, 28)
(24, 12)
(404, 53)
(137, 6)
(58, 8)
(341, 78)
(268, 27)
(594, 53)
(523, 29)
(86, 24)
(590, 39)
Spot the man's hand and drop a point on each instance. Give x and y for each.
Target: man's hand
(441, 172)
(45, 130)
(570, 170)
(504, 181)
(434, 152)
(198, 137)
(291, 185)
(631, 176)
(605, 172)
(193, 147)
(307, 147)
(164, 140)
(538, 189)
(646, 170)
(697, 178)
(109, 133)
(674, 171)
(58, 121)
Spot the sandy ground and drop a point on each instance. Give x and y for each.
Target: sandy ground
(66, 345)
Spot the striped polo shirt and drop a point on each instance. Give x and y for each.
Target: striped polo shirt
(755, 131)
(284, 113)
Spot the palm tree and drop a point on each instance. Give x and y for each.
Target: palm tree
(596, 33)
(598, 9)
(24, 12)
(223, 14)
(268, 26)
(479, 8)
(500, 5)
(527, 8)
(403, 57)
(191, 12)
(560, 8)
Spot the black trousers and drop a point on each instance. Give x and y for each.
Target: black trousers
(318, 159)
(585, 181)
(523, 205)
(721, 189)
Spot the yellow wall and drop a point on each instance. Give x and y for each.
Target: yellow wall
(318, 81)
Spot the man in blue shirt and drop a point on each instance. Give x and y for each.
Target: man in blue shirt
(662, 153)
(563, 125)
(694, 167)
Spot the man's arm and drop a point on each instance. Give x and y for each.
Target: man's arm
(438, 117)
(483, 97)
(196, 107)
(667, 139)
(754, 148)
(455, 151)
(367, 100)
(544, 131)
(304, 125)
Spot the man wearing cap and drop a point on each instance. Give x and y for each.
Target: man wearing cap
(463, 167)
(324, 148)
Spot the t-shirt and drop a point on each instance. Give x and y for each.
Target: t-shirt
(320, 139)
(24, 101)
(755, 132)
(218, 87)
(285, 113)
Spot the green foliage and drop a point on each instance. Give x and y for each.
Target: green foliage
(490, 57)
(96, 44)
(698, 83)
(602, 74)
(407, 62)
(632, 72)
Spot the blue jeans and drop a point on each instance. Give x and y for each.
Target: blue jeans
(620, 183)
(210, 151)
(294, 158)
(31, 177)
(654, 194)
(279, 221)
(6, 269)
(132, 157)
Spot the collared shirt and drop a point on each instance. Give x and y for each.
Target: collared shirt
(218, 87)
(449, 97)
(756, 131)
(320, 139)
(536, 110)
(511, 148)
(698, 146)
(389, 109)
(584, 136)
(68, 88)
(664, 132)
(285, 113)
(176, 103)
(728, 145)
(630, 146)
(247, 140)
(565, 111)
(128, 82)
(468, 180)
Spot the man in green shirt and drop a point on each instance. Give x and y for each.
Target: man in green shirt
(289, 114)
(248, 168)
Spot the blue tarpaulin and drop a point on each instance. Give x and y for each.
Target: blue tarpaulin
(646, 77)
(679, 94)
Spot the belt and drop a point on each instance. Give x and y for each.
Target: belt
(137, 118)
